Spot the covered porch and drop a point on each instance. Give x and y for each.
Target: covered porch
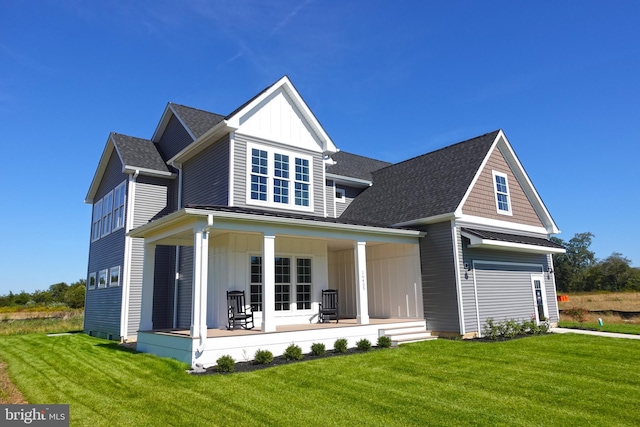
(282, 263)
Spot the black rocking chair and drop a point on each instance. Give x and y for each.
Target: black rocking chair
(329, 306)
(239, 314)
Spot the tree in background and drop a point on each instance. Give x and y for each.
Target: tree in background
(614, 273)
(58, 294)
(571, 267)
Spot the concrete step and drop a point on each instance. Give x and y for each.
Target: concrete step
(404, 330)
(414, 337)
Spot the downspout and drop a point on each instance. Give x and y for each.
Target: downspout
(176, 281)
(202, 338)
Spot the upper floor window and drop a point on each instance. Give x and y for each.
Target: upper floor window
(274, 174)
(340, 195)
(501, 186)
(108, 212)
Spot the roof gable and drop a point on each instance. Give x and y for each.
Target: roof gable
(422, 187)
(279, 113)
(354, 166)
(136, 155)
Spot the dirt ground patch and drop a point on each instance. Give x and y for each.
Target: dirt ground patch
(619, 301)
(8, 392)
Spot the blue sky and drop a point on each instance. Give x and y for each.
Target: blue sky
(387, 79)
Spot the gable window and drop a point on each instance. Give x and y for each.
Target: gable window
(279, 178)
(118, 206)
(107, 212)
(256, 283)
(97, 220)
(302, 182)
(114, 276)
(501, 186)
(92, 281)
(259, 174)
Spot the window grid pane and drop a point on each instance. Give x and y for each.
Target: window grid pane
(303, 286)
(281, 166)
(280, 191)
(302, 170)
(256, 283)
(283, 280)
(502, 193)
(302, 194)
(282, 295)
(258, 187)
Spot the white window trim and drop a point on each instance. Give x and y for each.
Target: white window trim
(92, 276)
(343, 193)
(111, 271)
(296, 283)
(97, 212)
(121, 187)
(508, 194)
(271, 151)
(106, 275)
(251, 255)
(107, 217)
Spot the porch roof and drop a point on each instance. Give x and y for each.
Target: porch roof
(495, 240)
(166, 230)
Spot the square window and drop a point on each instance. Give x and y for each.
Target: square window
(102, 278)
(114, 277)
(92, 281)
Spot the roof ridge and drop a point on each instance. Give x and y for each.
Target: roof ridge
(194, 108)
(364, 157)
(445, 148)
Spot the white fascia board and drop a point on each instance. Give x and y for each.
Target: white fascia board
(347, 180)
(429, 220)
(478, 242)
(149, 172)
(102, 167)
(479, 220)
(327, 144)
(182, 220)
(458, 210)
(528, 188)
(201, 143)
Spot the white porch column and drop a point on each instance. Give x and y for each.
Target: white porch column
(148, 271)
(200, 283)
(268, 284)
(362, 301)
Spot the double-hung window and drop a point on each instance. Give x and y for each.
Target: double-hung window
(283, 283)
(97, 220)
(279, 178)
(501, 186)
(107, 212)
(118, 206)
(256, 283)
(303, 283)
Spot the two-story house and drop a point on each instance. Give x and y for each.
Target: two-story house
(261, 200)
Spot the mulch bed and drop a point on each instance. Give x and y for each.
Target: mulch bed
(279, 361)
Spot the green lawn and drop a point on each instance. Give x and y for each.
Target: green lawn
(563, 380)
(620, 328)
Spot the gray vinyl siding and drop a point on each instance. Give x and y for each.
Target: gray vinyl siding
(438, 278)
(205, 178)
(502, 283)
(185, 286)
(103, 306)
(240, 173)
(174, 139)
(350, 193)
(330, 195)
(154, 198)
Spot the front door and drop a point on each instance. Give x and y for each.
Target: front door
(542, 313)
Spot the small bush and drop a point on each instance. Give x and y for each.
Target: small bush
(263, 357)
(384, 342)
(578, 314)
(318, 349)
(225, 364)
(363, 345)
(491, 329)
(512, 328)
(293, 352)
(340, 345)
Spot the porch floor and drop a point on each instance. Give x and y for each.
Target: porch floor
(344, 323)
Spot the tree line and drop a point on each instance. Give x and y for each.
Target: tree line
(59, 294)
(579, 270)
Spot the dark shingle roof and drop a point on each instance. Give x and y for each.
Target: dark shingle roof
(138, 152)
(355, 166)
(422, 187)
(198, 121)
(512, 238)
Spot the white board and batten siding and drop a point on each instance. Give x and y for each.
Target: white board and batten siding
(394, 287)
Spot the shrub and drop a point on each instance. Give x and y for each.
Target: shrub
(340, 345)
(318, 349)
(263, 357)
(363, 345)
(225, 364)
(384, 342)
(578, 314)
(491, 329)
(293, 352)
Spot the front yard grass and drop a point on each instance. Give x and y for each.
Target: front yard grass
(562, 380)
(621, 328)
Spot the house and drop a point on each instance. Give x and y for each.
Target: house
(262, 200)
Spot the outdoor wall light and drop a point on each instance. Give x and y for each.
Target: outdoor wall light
(467, 266)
